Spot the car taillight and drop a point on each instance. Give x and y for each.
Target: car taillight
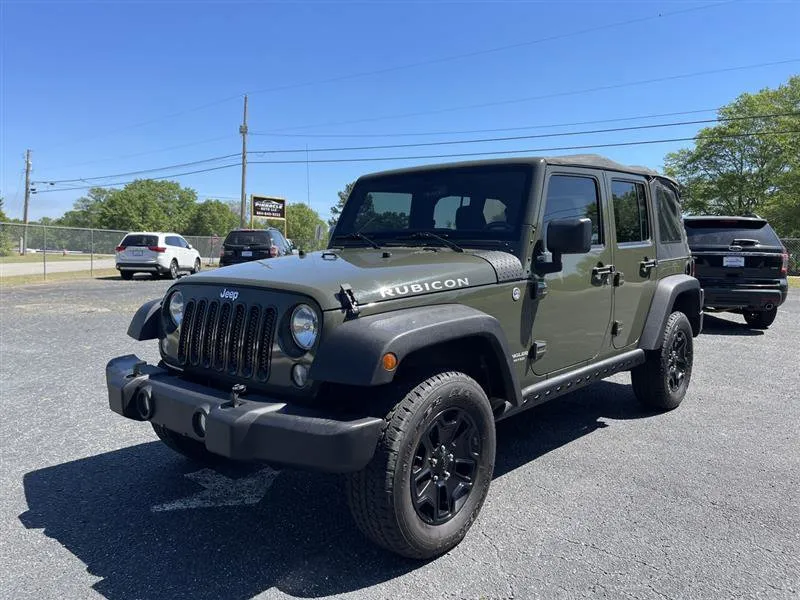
(120, 248)
(273, 251)
(222, 251)
(157, 248)
(785, 263)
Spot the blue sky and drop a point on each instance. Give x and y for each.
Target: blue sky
(100, 88)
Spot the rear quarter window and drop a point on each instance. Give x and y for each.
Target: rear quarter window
(140, 240)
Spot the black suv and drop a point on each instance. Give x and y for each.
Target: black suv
(244, 245)
(741, 265)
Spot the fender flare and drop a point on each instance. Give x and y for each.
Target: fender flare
(351, 354)
(667, 291)
(145, 323)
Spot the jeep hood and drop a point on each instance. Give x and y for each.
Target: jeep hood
(372, 276)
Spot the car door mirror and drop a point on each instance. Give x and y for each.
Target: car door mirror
(569, 236)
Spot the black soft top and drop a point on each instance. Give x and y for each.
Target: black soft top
(593, 161)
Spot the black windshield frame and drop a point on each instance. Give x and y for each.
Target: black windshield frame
(511, 182)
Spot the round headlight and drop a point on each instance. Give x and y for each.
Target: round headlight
(175, 307)
(304, 326)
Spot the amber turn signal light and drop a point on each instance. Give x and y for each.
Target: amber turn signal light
(389, 361)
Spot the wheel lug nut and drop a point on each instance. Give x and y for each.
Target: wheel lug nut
(436, 478)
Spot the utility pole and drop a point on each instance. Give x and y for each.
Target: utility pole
(27, 200)
(243, 131)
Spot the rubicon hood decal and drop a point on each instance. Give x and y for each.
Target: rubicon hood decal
(436, 285)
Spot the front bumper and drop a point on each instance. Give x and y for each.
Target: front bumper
(757, 298)
(257, 429)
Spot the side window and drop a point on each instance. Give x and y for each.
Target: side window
(171, 240)
(669, 215)
(446, 210)
(574, 197)
(280, 241)
(182, 242)
(630, 211)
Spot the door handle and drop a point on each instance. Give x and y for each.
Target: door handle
(646, 265)
(600, 271)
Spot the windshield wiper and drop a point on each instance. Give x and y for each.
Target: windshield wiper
(357, 235)
(427, 235)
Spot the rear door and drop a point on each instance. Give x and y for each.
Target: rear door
(634, 256)
(731, 251)
(136, 249)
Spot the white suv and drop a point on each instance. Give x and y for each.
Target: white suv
(156, 253)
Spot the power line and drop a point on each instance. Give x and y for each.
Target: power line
(453, 155)
(521, 151)
(542, 96)
(143, 171)
(492, 130)
(86, 187)
(528, 137)
(453, 57)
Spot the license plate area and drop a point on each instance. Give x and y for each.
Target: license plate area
(733, 261)
(137, 252)
(246, 253)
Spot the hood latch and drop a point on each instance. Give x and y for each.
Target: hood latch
(348, 299)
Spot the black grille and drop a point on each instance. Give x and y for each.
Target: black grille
(231, 338)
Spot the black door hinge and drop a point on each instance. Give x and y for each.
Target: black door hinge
(616, 328)
(348, 299)
(538, 350)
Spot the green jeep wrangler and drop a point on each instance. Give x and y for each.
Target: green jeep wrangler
(449, 297)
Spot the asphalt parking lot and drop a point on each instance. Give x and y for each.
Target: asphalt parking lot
(591, 496)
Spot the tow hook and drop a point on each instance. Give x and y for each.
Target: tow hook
(237, 390)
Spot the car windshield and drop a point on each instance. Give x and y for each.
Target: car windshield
(140, 240)
(475, 204)
(723, 232)
(247, 238)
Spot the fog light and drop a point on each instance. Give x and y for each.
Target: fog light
(300, 375)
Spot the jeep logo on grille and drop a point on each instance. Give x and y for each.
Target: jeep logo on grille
(226, 293)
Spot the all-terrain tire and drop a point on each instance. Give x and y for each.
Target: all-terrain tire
(380, 495)
(191, 449)
(661, 382)
(760, 319)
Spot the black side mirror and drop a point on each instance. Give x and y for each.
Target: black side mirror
(565, 236)
(569, 236)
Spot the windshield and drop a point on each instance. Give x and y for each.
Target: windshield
(480, 204)
(722, 232)
(247, 238)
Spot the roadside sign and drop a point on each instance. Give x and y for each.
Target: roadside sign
(268, 207)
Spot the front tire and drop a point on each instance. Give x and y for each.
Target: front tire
(661, 382)
(431, 471)
(196, 268)
(760, 319)
(126, 275)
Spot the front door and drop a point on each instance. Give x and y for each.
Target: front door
(573, 318)
(634, 257)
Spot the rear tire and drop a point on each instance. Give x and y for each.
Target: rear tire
(191, 449)
(431, 470)
(173, 269)
(661, 382)
(760, 319)
(126, 275)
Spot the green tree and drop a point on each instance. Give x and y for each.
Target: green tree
(212, 217)
(741, 166)
(336, 210)
(146, 204)
(6, 245)
(301, 226)
(85, 211)
(3, 216)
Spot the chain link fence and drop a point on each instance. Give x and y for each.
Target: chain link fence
(792, 246)
(72, 249)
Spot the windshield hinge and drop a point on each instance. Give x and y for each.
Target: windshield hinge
(348, 299)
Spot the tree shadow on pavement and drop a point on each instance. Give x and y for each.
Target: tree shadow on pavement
(300, 538)
(713, 325)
